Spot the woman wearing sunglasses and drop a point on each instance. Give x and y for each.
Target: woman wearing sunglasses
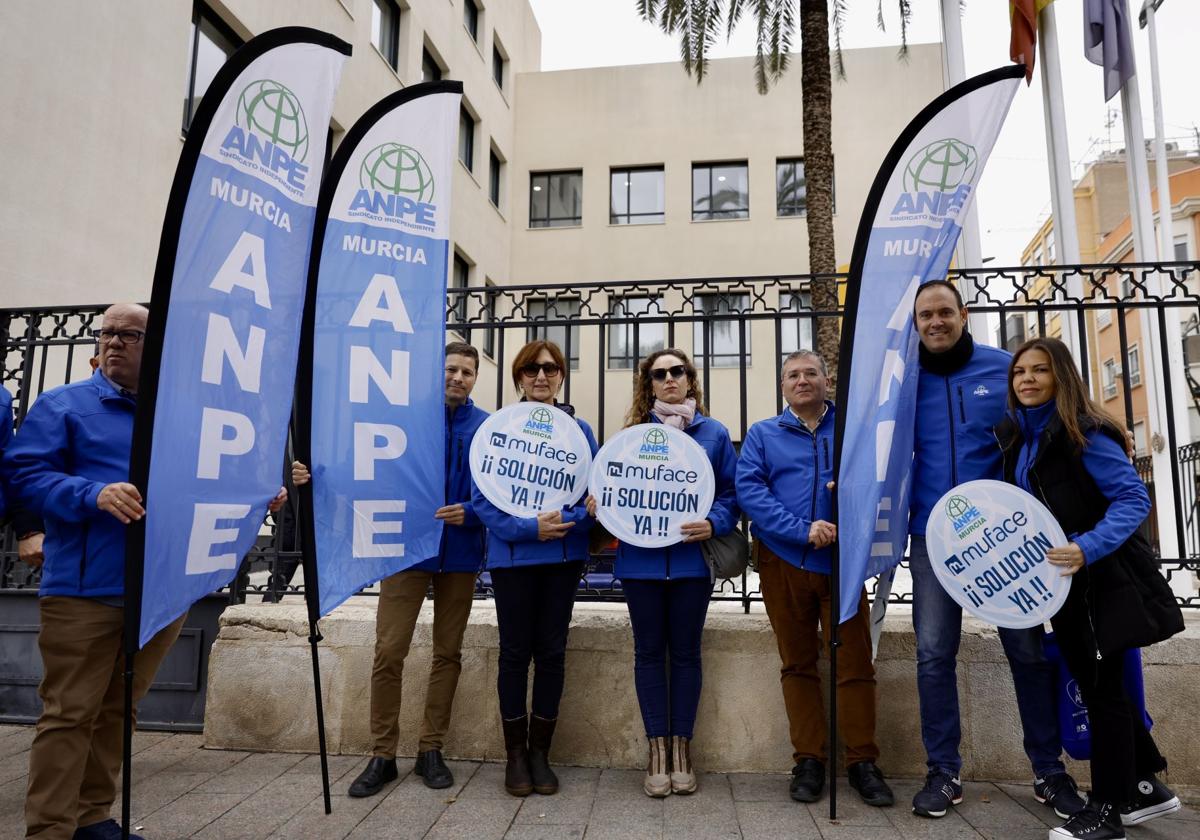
(667, 589)
(1065, 450)
(535, 564)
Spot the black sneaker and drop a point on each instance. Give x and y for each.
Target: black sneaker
(378, 773)
(940, 792)
(432, 768)
(808, 780)
(867, 779)
(1059, 791)
(107, 830)
(1153, 799)
(1097, 821)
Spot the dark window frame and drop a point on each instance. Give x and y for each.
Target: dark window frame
(796, 207)
(627, 342)
(471, 12)
(466, 140)
(554, 221)
(499, 64)
(491, 296)
(739, 356)
(389, 36)
(629, 215)
(202, 13)
(711, 215)
(459, 304)
(428, 60)
(559, 304)
(495, 164)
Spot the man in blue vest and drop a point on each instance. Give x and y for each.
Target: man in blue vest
(451, 573)
(960, 398)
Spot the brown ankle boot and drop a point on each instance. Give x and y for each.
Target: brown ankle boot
(541, 732)
(517, 780)
(658, 769)
(683, 777)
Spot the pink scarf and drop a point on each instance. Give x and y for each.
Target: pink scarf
(678, 415)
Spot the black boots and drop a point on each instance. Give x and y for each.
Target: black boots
(541, 732)
(378, 773)
(517, 780)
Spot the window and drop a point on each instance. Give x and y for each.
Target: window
(385, 30)
(795, 333)
(1037, 255)
(636, 196)
(1126, 288)
(1050, 246)
(631, 341)
(466, 139)
(1139, 438)
(1015, 325)
(557, 309)
(488, 314)
(718, 332)
(791, 187)
(431, 71)
(212, 43)
(1103, 318)
(460, 278)
(1180, 248)
(1110, 379)
(471, 18)
(720, 191)
(494, 165)
(498, 62)
(555, 199)
(1133, 361)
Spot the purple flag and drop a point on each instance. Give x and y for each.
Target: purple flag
(1107, 42)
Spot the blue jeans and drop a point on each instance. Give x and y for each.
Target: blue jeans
(937, 621)
(668, 619)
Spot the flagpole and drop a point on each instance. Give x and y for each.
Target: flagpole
(1062, 185)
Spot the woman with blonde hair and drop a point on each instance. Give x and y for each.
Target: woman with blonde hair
(1064, 449)
(667, 589)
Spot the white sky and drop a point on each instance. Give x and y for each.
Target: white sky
(1014, 195)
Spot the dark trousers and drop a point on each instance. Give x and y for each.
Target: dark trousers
(533, 611)
(1123, 751)
(668, 619)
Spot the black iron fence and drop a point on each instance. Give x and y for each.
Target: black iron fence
(1124, 318)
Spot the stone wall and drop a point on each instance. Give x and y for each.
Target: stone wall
(260, 692)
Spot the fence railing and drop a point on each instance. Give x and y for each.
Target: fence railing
(738, 330)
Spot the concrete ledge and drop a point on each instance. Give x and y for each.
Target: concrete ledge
(260, 692)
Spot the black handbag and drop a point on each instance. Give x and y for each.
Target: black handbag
(728, 555)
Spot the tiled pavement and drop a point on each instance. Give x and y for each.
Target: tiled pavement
(181, 790)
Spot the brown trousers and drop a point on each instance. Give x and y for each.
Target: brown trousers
(796, 600)
(400, 600)
(76, 751)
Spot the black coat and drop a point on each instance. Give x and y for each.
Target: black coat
(1117, 602)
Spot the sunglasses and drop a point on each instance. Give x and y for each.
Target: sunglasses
(675, 372)
(533, 368)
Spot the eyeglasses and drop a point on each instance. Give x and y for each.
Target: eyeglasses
(126, 336)
(533, 368)
(675, 372)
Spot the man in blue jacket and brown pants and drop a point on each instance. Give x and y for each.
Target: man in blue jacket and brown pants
(69, 464)
(783, 478)
(451, 573)
(960, 398)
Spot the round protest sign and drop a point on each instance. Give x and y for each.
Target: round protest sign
(987, 544)
(530, 458)
(648, 480)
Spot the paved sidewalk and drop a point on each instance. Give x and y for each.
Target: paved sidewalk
(181, 790)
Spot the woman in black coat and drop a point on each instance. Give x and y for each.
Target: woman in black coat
(1066, 451)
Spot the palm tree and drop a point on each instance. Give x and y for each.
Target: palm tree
(698, 23)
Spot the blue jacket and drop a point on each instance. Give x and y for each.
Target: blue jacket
(462, 546)
(685, 560)
(513, 540)
(782, 474)
(6, 433)
(1108, 465)
(75, 439)
(954, 440)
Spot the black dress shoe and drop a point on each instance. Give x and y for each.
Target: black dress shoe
(379, 772)
(433, 770)
(808, 780)
(867, 779)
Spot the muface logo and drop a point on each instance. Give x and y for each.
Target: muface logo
(540, 423)
(937, 180)
(270, 131)
(396, 182)
(499, 439)
(615, 469)
(964, 516)
(654, 446)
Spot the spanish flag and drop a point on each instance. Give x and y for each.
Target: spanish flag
(1024, 16)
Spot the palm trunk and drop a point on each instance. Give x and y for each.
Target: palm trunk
(816, 79)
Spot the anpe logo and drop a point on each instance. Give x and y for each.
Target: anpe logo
(654, 446)
(957, 506)
(982, 391)
(540, 423)
(397, 183)
(542, 415)
(942, 166)
(964, 516)
(270, 133)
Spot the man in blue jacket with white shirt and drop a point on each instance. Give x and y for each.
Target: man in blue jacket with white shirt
(961, 394)
(783, 485)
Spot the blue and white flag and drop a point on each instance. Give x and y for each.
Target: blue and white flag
(371, 407)
(910, 225)
(218, 371)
